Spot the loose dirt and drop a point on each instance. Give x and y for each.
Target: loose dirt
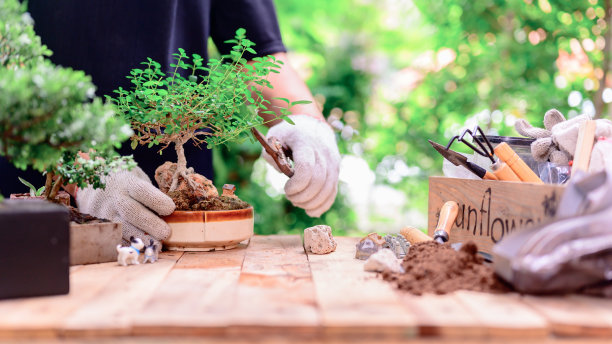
(437, 268)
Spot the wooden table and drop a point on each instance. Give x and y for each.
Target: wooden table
(272, 291)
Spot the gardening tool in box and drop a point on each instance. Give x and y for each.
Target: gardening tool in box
(509, 167)
(458, 159)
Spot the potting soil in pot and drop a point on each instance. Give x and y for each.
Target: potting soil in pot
(80, 218)
(437, 268)
(186, 201)
(203, 197)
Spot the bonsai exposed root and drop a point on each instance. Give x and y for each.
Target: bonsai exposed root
(170, 178)
(186, 177)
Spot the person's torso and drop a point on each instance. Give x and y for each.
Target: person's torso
(107, 39)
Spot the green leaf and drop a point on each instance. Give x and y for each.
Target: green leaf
(134, 144)
(283, 99)
(288, 120)
(29, 185)
(298, 102)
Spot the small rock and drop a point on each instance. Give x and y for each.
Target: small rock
(229, 190)
(319, 239)
(383, 260)
(368, 245)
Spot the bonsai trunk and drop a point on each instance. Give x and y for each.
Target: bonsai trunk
(181, 168)
(52, 187)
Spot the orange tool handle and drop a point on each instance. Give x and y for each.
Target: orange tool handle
(489, 176)
(414, 235)
(504, 172)
(518, 166)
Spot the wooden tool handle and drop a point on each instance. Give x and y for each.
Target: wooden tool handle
(448, 214)
(504, 172)
(584, 146)
(414, 235)
(506, 154)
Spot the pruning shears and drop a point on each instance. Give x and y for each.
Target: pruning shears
(281, 155)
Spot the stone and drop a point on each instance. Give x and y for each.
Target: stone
(369, 245)
(319, 239)
(163, 177)
(398, 244)
(229, 190)
(383, 260)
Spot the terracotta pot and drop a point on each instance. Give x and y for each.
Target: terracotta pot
(208, 230)
(62, 197)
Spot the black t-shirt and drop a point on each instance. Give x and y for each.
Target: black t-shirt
(108, 38)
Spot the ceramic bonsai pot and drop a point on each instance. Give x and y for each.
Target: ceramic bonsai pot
(208, 230)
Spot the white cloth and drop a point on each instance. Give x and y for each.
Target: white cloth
(314, 184)
(130, 199)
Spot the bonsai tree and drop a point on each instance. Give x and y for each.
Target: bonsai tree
(49, 114)
(208, 104)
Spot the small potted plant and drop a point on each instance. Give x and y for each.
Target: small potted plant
(49, 116)
(202, 104)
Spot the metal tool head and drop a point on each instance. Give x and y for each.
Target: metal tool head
(484, 148)
(450, 155)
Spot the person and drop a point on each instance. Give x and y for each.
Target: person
(108, 38)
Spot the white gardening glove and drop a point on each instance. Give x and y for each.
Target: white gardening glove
(130, 199)
(545, 148)
(557, 143)
(314, 184)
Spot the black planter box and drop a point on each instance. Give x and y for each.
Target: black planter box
(34, 254)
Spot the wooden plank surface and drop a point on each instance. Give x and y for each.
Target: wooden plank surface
(272, 289)
(490, 210)
(196, 298)
(353, 302)
(574, 316)
(504, 315)
(44, 316)
(443, 316)
(113, 309)
(275, 292)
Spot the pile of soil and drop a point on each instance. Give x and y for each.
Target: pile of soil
(188, 201)
(80, 218)
(437, 268)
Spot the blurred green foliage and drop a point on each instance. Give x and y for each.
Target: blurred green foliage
(402, 72)
(49, 113)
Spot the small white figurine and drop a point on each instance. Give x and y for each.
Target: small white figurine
(129, 255)
(150, 253)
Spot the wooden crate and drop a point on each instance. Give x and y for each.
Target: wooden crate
(489, 210)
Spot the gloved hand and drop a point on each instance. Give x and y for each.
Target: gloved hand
(130, 199)
(314, 184)
(557, 143)
(544, 148)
